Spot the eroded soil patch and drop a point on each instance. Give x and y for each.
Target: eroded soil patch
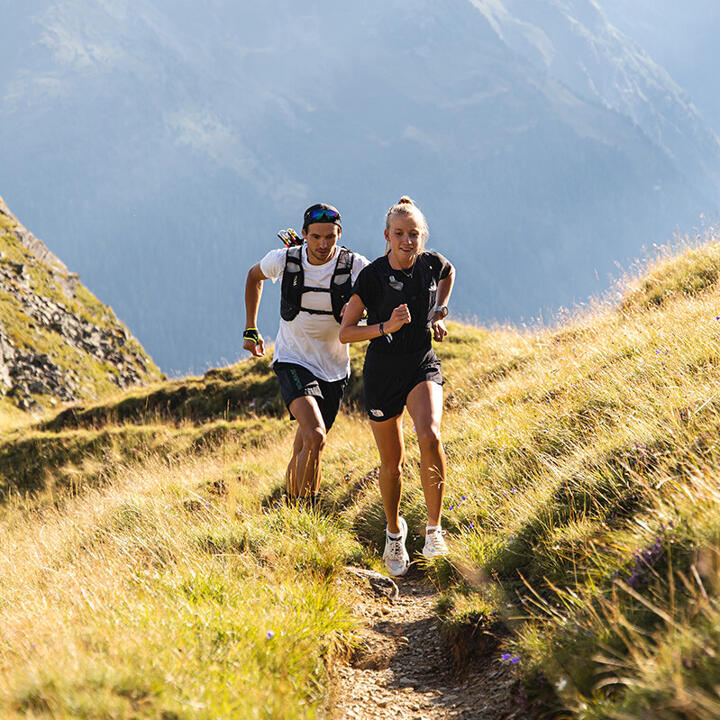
(404, 668)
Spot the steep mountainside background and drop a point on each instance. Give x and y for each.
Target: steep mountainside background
(159, 146)
(688, 50)
(58, 343)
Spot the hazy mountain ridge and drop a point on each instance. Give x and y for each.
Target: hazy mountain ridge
(580, 48)
(184, 138)
(691, 64)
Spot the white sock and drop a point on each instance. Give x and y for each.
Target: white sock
(392, 536)
(432, 528)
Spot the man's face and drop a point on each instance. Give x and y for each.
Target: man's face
(321, 241)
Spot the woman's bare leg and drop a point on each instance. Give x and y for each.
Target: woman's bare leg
(389, 439)
(425, 405)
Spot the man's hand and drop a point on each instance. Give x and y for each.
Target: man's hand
(255, 343)
(400, 316)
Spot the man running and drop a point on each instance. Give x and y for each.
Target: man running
(311, 363)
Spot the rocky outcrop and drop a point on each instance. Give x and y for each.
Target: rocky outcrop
(36, 246)
(40, 302)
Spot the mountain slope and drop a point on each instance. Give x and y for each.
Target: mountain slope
(543, 145)
(688, 52)
(577, 45)
(57, 342)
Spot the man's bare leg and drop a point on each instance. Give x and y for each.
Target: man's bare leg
(291, 474)
(311, 434)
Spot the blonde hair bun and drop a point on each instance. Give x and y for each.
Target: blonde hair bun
(406, 206)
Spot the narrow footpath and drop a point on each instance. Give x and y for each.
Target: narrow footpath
(405, 669)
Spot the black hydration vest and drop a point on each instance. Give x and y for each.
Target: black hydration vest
(293, 285)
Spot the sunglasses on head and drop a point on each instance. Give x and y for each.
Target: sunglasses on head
(322, 215)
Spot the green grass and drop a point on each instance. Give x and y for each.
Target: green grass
(165, 603)
(582, 512)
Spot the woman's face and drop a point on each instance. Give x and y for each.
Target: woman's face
(405, 236)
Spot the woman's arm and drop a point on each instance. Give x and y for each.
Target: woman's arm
(351, 332)
(445, 287)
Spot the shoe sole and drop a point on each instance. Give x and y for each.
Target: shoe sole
(400, 574)
(436, 555)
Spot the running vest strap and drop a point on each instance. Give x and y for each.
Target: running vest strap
(293, 285)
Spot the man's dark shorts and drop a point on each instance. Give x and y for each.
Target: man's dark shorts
(297, 381)
(388, 380)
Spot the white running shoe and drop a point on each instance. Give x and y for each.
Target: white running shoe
(435, 544)
(396, 557)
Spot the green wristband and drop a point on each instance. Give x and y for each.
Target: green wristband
(252, 334)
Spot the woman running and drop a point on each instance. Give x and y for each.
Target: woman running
(405, 292)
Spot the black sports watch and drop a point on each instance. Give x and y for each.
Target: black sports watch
(442, 309)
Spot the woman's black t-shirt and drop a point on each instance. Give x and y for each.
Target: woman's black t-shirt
(382, 289)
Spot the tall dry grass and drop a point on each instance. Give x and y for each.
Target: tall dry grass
(582, 512)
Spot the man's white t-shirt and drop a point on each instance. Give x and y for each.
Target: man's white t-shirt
(312, 340)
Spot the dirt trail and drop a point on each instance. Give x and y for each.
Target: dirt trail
(404, 668)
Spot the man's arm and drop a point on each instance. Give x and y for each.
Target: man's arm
(253, 293)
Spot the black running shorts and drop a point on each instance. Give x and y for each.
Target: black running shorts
(297, 381)
(388, 380)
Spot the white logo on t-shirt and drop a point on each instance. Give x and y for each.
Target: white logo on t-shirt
(376, 413)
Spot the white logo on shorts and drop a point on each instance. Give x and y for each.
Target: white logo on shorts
(377, 413)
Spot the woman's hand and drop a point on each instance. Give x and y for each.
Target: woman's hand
(439, 329)
(400, 316)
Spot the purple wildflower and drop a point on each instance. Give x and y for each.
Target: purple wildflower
(471, 525)
(464, 497)
(451, 507)
(507, 657)
(644, 560)
(270, 634)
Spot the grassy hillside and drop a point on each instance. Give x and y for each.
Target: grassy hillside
(160, 579)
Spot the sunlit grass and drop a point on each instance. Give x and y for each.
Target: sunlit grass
(150, 570)
(159, 595)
